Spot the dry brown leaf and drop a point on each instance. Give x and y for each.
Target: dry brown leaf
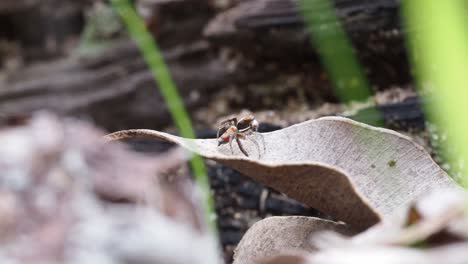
(438, 236)
(275, 235)
(295, 257)
(357, 173)
(454, 254)
(442, 220)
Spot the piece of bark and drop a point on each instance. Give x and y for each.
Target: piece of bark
(273, 31)
(10, 6)
(43, 29)
(116, 84)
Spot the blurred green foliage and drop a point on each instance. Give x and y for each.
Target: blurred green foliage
(335, 50)
(438, 41)
(438, 44)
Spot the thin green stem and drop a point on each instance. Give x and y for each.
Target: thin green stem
(167, 87)
(337, 55)
(335, 50)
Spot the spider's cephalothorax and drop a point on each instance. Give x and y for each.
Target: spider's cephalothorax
(231, 129)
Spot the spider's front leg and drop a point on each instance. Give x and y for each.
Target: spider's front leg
(230, 142)
(245, 135)
(240, 144)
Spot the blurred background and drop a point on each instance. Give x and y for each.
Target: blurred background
(227, 58)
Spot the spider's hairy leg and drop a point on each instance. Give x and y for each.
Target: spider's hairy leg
(263, 142)
(240, 145)
(230, 142)
(244, 137)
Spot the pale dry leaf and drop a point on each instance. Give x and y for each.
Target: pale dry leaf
(354, 172)
(441, 220)
(275, 235)
(450, 254)
(294, 257)
(454, 254)
(437, 236)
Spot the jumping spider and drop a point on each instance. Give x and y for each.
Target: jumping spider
(231, 129)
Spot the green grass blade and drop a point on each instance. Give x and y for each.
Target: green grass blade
(335, 50)
(167, 87)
